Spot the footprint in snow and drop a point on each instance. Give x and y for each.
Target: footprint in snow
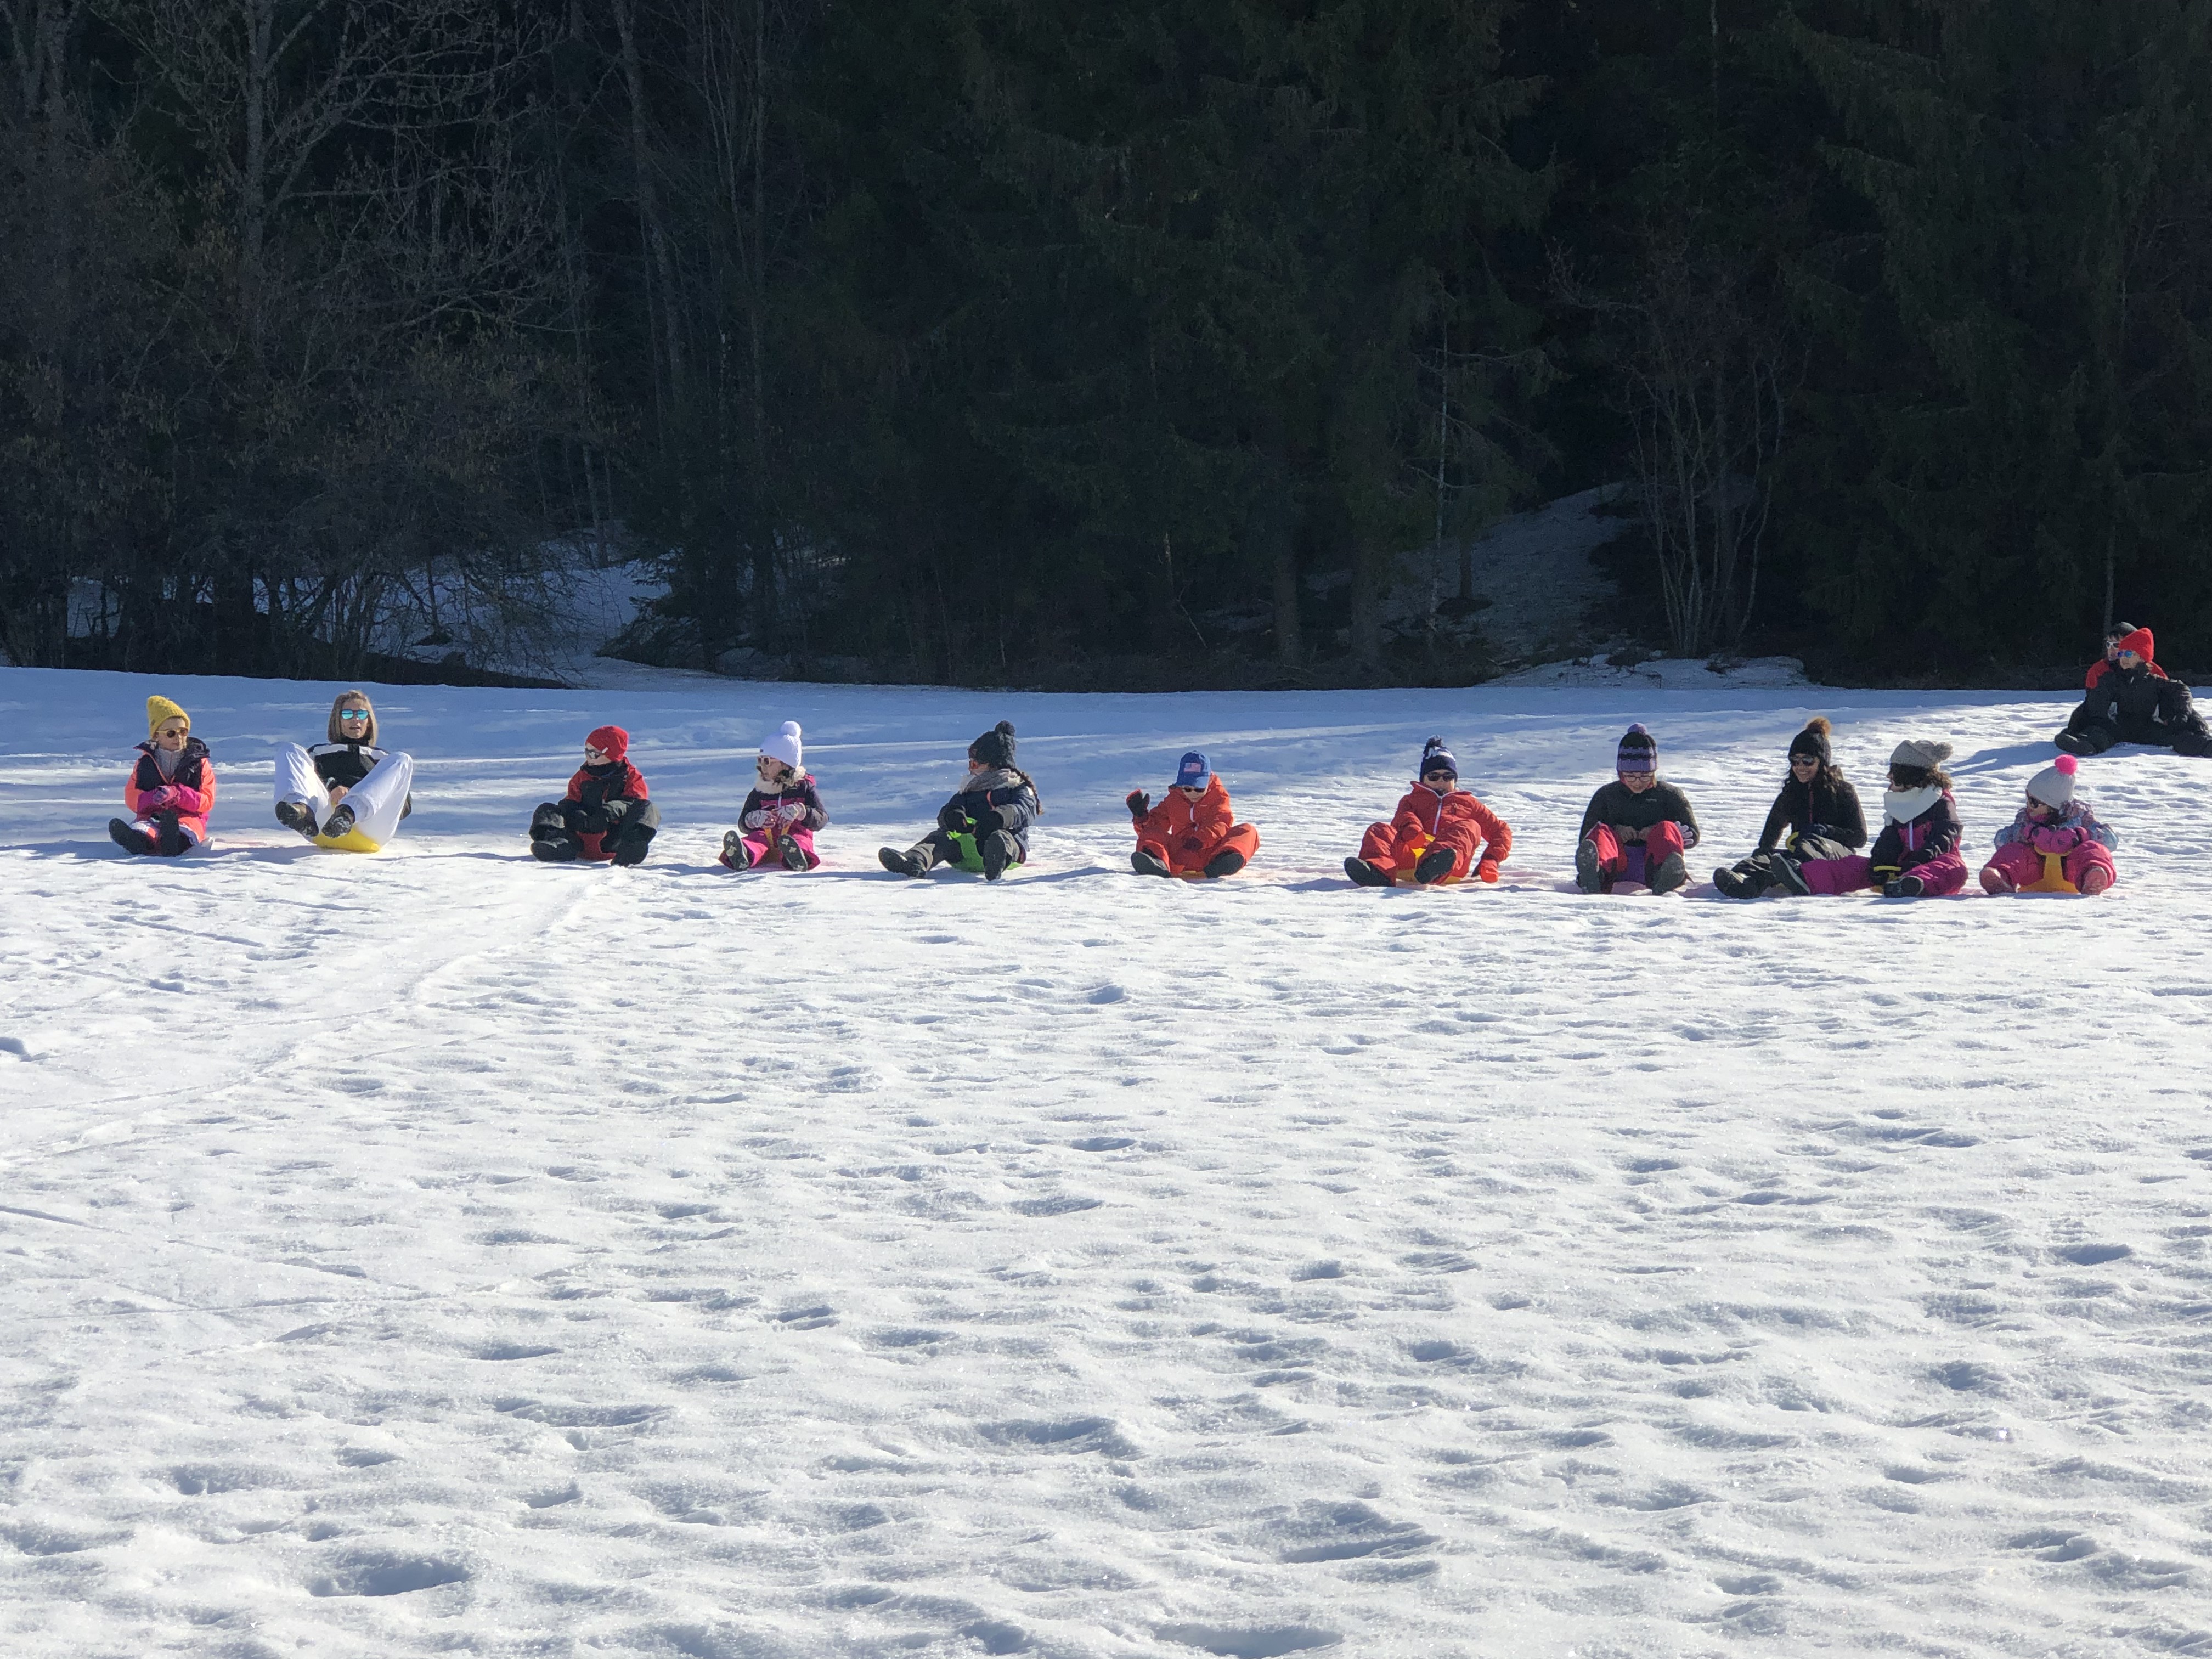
(374, 1573)
(1230, 1643)
(811, 1318)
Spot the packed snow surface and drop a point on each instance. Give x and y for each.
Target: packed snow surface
(440, 1252)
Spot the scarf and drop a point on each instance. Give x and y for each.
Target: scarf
(1903, 805)
(168, 760)
(995, 777)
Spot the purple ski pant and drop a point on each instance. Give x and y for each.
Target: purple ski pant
(1940, 876)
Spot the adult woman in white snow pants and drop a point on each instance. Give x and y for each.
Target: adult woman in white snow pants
(346, 793)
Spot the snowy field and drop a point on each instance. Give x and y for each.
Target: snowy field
(444, 1254)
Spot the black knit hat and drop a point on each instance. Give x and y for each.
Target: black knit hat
(1813, 740)
(1435, 757)
(995, 747)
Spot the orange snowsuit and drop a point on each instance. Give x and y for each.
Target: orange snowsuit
(1185, 833)
(1426, 818)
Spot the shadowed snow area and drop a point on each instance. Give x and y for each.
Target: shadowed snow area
(443, 1253)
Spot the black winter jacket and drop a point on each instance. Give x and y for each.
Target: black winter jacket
(1804, 810)
(1001, 804)
(1931, 835)
(1661, 803)
(346, 764)
(2134, 697)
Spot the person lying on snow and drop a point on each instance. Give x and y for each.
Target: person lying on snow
(1432, 838)
(1636, 828)
(1194, 830)
(986, 825)
(606, 816)
(346, 793)
(1917, 852)
(2055, 826)
(171, 788)
(780, 814)
(2134, 702)
(1816, 816)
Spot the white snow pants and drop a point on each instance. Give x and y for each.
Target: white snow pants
(376, 799)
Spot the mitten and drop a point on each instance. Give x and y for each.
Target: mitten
(987, 820)
(2061, 839)
(791, 812)
(1625, 833)
(615, 810)
(1486, 871)
(755, 819)
(157, 800)
(1138, 802)
(952, 816)
(185, 799)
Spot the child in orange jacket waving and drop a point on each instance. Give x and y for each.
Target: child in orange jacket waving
(1431, 839)
(1192, 832)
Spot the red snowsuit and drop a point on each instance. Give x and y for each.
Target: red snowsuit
(1186, 835)
(190, 794)
(1456, 821)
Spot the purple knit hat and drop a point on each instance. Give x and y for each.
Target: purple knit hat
(1639, 751)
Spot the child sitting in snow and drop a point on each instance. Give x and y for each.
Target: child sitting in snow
(171, 788)
(985, 825)
(1432, 838)
(1816, 816)
(1917, 853)
(606, 816)
(1194, 830)
(1636, 828)
(781, 814)
(2055, 824)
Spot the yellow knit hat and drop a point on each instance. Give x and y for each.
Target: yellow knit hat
(161, 708)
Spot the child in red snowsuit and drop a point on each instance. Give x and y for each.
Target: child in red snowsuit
(782, 812)
(1432, 838)
(605, 817)
(1193, 831)
(171, 788)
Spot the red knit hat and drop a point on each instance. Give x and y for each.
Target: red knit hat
(611, 741)
(2141, 643)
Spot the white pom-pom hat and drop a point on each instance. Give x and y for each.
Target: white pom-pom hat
(2054, 785)
(784, 745)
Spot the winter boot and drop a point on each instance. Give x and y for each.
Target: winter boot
(631, 846)
(1904, 887)
(1587, 876)
(2093, 739)
(1994, 881)
(2095, 880)
(297, 815)
(736, 855)
(1434, 866)
(128, 836)
(794, 855)
(339, 824)
(1227, 862)
(1366, 874)
(1146, 862)
(914, 861)
(2193, 740)
(169, 836)
(555, 849)
(1000, 849)
(1746, 881)
(1787, 876)
(1667, 875)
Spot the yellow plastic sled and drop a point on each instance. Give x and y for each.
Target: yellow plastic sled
(353, 841)
(2054, 877)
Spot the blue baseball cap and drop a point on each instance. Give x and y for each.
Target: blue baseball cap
(1192, 772)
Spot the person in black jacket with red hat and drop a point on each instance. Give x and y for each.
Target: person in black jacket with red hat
(605, 817)
(1816, 816)
(2134, 702)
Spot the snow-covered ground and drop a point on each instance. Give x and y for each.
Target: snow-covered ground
(440, 1252)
